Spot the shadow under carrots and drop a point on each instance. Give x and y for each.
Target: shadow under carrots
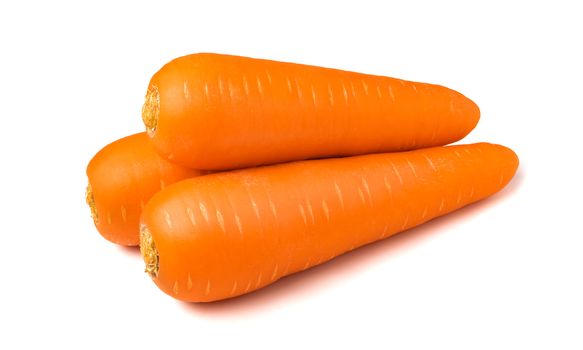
(298, 284)
(130, 250)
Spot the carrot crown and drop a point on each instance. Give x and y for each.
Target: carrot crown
(149, 252)
(151, 110)
(91, 203)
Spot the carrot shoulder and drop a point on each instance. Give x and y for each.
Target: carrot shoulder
(122, 177)
(226, 234)
(211, 111)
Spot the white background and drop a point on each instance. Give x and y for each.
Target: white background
(502, 274)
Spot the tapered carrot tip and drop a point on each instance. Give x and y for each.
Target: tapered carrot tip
(470, 110)
(151, 110)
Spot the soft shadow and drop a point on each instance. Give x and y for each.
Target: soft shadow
(296, 285)
(130, 251)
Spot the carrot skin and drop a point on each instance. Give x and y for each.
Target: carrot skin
(226, 234)
(122, 177)
(211, 111)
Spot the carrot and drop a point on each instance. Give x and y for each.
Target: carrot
(226, 234)
(211, 111)
(122, 178)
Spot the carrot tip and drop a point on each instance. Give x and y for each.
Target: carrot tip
(151, 110)
(91, 203)
(149, 252)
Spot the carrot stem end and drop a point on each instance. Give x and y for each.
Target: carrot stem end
(149, 252)
(91, 203)
(151, 110)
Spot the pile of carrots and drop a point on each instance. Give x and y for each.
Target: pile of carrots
(251, 170)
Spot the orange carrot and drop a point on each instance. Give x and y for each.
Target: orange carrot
(211, 111)
(226, 234)
(122, 178)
